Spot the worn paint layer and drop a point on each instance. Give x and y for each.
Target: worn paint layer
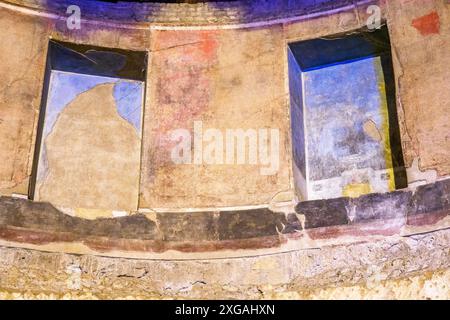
(90, 155)
(347, 130)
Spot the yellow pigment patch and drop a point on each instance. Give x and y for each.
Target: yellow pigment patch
(385, 129)
(356, 190)
(93, 213)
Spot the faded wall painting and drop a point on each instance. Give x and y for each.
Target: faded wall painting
(347, 130)
(90, 146)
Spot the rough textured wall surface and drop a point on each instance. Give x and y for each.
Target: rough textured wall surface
(405, 267)
(232, 77)
(427, 286)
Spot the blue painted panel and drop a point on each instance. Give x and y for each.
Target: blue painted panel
(128, 96)
(339, 100)
(65, 87)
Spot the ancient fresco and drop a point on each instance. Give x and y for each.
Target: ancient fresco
(347, 125)
(90, 152)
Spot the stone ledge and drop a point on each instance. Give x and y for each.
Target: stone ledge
(40, 223)
(391, 214)
(387, 213)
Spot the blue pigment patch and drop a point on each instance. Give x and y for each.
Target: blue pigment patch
(338, 101)
(128, 96)
(354, 83)
(64, 88)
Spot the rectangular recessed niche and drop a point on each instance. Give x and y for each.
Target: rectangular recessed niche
(87, 154)
(345, 133)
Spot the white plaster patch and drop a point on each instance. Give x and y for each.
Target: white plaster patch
(117, 214)
(417, 177)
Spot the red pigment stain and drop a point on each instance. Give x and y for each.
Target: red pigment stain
(209, 45)
(428, 24)
(183, 88)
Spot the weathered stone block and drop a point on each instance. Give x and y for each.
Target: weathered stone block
(429, 198)
(43, 217)
(250, 224)
(375, 206)
(131, 227)
(293, 224)
(188, 226)
(430, 204)
(445, 186)
(324, 213)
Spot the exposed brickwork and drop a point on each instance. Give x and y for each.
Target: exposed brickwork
(234, 12)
